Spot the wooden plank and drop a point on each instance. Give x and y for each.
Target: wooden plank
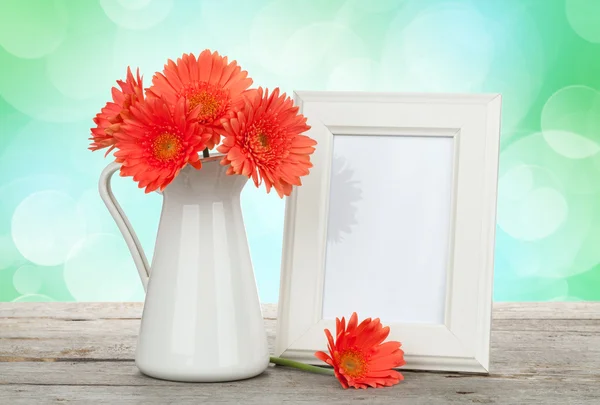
(547, 325)
(88, 310)
(547, 347)
(48, 339)
(55, 328)
(106, 382)
(71, 310)
(125, 373)
(95, 310)
(547, 310)
(83, 352)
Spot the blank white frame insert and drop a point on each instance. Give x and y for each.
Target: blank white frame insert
(416, 171)
(409, 178)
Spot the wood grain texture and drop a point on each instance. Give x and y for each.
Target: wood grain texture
(121, 383)
(547, 310)
(83, 353)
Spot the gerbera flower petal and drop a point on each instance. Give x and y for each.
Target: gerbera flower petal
(387, 348)
(340, 325)
(205, 60)
(264, 141)
(330, 340)
(386, 373)
(387, 362)
(156, 142)
(324, 357)
(358, 356)
(209, 82)
(108, 121)
(378, 336)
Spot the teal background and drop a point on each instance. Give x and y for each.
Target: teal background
(58, 60)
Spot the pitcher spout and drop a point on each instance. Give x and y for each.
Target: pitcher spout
(211, 181)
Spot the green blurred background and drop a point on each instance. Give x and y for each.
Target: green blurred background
(59, 58)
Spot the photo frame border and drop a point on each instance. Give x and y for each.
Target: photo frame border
(462, 342)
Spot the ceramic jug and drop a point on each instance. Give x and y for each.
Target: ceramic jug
(202, 320)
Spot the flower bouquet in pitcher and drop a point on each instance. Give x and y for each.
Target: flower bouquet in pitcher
(196, 135)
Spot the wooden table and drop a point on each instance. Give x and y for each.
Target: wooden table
(83, 353)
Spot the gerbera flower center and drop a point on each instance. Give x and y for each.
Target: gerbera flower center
(353, 363)
(212, 102)
(166, 146)
(263, 140)
(267, 142)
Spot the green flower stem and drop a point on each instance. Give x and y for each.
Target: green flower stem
(301, 366)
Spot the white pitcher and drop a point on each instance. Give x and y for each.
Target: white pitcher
(202, 319)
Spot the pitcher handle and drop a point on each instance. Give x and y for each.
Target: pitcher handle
(133, 243)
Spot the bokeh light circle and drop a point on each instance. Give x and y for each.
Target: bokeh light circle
(14, 191)
(137, 15)
(519, 68)
(527, 213)
(97, 218)
(571, 144)
(436, 50)
(33, 28)
(9, 254)
(82, 160)
(230, 39)
(354, 74)
(583, 18)
(45, 226)
(27, 279)
(48, 144)
(570, 121)
(596, 163)
(133, 4)
(27, 77)
(525, 266)
(80, 52)
(128, 49)
(377, 6)
(311, 45)
(34, 298)
(548, 222)
(296, 40)
(100, 268)
(516, 183)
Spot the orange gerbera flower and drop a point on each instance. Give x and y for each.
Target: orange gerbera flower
(157, 141)
(264, 141)
(210, 82)
(109, 119)
(358, 356)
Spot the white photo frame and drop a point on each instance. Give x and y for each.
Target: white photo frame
(425, 202)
